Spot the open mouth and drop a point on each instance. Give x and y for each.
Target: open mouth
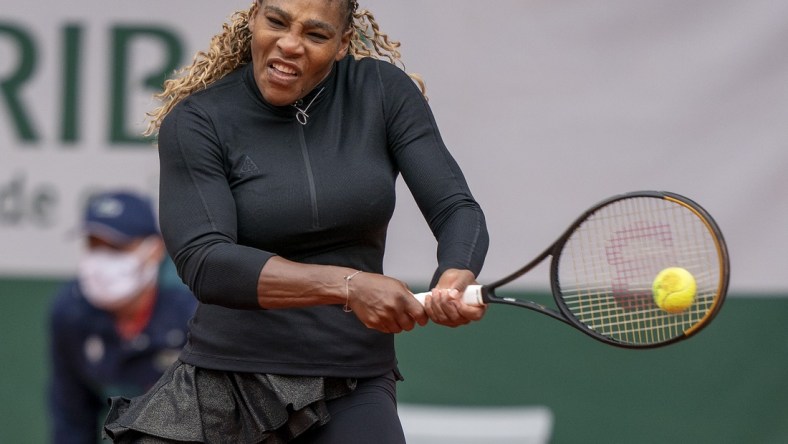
(282, 69)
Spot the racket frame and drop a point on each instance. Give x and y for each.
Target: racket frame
(554, 251)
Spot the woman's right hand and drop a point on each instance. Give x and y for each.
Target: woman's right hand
(380, 302)
(384, 304)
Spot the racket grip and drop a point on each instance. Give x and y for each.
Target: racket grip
(471, 296)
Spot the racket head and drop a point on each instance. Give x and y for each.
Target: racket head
(603, 268)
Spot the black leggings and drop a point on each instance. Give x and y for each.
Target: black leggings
(367, 415)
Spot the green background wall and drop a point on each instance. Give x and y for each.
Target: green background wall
(729, 384)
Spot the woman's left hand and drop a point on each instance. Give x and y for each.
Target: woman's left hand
(445, 306)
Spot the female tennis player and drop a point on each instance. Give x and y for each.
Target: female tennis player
(279, 148)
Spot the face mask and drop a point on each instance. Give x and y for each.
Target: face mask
(110, 279)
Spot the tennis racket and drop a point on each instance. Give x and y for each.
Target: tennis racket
(604, 265)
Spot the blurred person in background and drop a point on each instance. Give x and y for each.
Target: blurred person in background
(117, 326)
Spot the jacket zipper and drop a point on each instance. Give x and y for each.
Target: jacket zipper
(310, 177)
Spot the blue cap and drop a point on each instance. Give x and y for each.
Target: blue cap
(119, 217)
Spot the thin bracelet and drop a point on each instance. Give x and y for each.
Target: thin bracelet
(347, 278)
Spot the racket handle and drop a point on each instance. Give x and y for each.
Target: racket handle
(471, 296)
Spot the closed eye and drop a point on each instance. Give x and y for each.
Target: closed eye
(317, 37)
(275, 22)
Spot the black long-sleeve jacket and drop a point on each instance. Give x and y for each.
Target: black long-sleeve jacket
(242, 180)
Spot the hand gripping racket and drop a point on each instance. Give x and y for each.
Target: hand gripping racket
(604, 265)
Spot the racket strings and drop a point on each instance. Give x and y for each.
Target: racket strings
(607, 267)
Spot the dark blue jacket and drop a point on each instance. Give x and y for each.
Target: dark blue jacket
(89, 361)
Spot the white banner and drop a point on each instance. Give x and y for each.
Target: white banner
(549, 106)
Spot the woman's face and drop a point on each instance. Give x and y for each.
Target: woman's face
(294, 45)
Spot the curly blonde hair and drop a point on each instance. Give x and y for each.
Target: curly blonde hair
(230, 49)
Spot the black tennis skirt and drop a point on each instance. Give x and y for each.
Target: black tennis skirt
(192, 404)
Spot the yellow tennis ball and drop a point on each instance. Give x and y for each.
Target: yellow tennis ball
(674, 289)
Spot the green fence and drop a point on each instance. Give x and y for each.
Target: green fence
(727, 385)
